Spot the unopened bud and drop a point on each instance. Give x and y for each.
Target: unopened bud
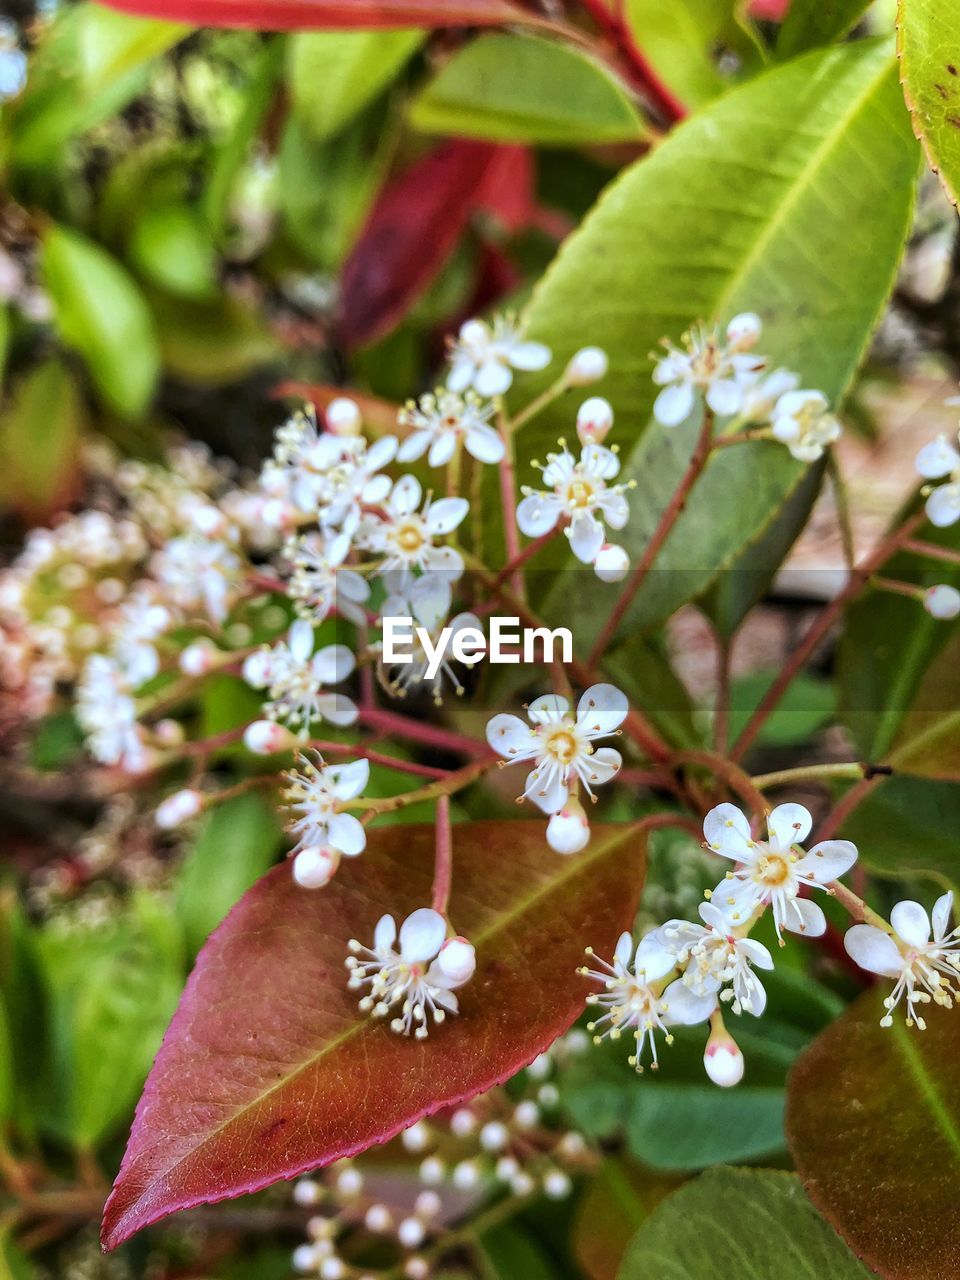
(199, 658)
(379, 1219)
(277, 513)
(569, 831)
(942, 602)
(265, 738)
(743, 331)
(411, 1232)
(494, 1136)
(179, 807)
(527, 1114)
(417, 1137)
(427, 1205)
(350, 1181)
(305, 1259)
(723, 1060)
(457, 960)
(306, 1192)
(594, 420)
(432, 1171)
(343, 417)
(587, 365)
(463, 1122)
(314, 866)
(256, 669)
(612, 563)
(207, 520)
(557, 1185)
(169, 732)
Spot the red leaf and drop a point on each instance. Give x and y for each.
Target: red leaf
(410, 233)
(268, 1069)
(509, 188)
(311, 15)
(771, 10)
(379, 416)
(873, 1115)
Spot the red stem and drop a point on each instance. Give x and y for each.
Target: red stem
(443, 866)
(377, 757)
(430, 735)
(636, 67)
(528, 552)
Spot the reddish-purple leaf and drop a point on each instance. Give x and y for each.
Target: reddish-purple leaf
(873, 1122)
(268, 1069)
(412, 230)
(314, 15)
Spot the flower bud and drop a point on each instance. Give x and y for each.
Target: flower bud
(305, 1259)
(587, 365)
(343, 417)
(208, 521)
(179, 807)
(457, 960)
(723, 1060)
(427, 1204)
(199, 658)
(569, 831)
(507, 1168)
(557, 1185)
(527, 1114)
(432, 1171)
(350, 1181)
(306, 1192)
(379, 1219)
(277, 513)
(411, 1232)
(417, 1137)
(463, 1122)
(256, 669)
(466, 1175)
(612, 563)
(169, 732)
(942, 602)
(743, 331)
(416, 1269)
(594, 420)
(494, 1136)
(314, 866)
(265, 738)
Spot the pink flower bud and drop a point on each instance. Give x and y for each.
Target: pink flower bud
(256, 669)
(343, 417)
(169, 732)
(723, 1060)
(587, 365)
(594, 420)
(179, 807)
(314, 866)
(743, 331)
(264, 738)
(942, 602)
(612, 563)
(199, 658)
(569, 831)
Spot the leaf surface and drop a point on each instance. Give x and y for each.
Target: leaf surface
(928, 44)
(268, 1069)
(333, 74)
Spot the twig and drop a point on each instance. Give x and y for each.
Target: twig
(443, 865)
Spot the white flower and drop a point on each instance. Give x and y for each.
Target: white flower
(418, 981)
(440, 421)
(561, 744)
(721, 372)
(295, 678)
(316, 791)
(760, 397)
(578, 491)
(143, 620)
(936, 461)
(925, 967)
(942, 601)
(108, 715)
(716, 961)
(631, 999)
(406, 537)
(199, 573)
(771, 872)
(427, 601)
(484, 356)
(319, 583)
(802, 422)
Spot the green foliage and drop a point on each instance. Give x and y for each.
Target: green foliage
(810, 23)
(907, 827)
(699, 47)
(41, 428)
(171, 245)
(928, 40)
(334, 74)
(508, 1251)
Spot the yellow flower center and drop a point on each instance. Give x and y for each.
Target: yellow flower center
(562, 745)
(580, 492)
(409, 537)
(772, 869)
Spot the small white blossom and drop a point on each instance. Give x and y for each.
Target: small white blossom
(199, 574)
(802, 421)
(561, 744)
(771, 872)
(406, 536)
(716, 961)
(316, 792)
(585, 366)
(942, 602)
(719, 371)
(143, 620)
(760, 396)
(441, 421)
(319, 582)
(940, 460)
(413, 983)
(484, 356)
(923, 960)
(578, 491)
(296, 679)
(108, 715)
(594, 420)
(427, 601)
(178, 808)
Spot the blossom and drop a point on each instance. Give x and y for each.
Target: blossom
(631, 999)
(143, 620)
(427, 601)
(936, 461)
(295, 678)
(484, 356)
(719, 371)
(418, 981)
(199, 573)
(108, 715)
(923, 960)
(578, 491)
(316, 791)
(771, 872)
(761, 395)
(406, 536)
(319, 583)
(716, 961)
(561, 744)
(802, 422)
(440, 421)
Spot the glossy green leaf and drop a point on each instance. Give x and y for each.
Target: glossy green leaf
(212, 343)
(928, 44)
(41, 427)
(507, 1252)
(171, 246)
(99, 311)
(808, 705)
(512, 88)
(334, 74)
(749, 1223)
(686, 1127)
(811, 23)
(705, 227)
(237, 843)
(24, 1007)
(928, 740)
(112, 44)
(617, 1199)
(698, 47)
(909, 826)
(874, 1126)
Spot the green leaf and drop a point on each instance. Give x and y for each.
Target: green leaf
(24, 1006)
(512, 88)
(238, 842)
(811, 23)
(928, 43)
(808, 705)
(41, 428)
(616, 1201)
(666, 245)
(171, 245)
(698, 47)
(212, 343)
(908, 826)
(874, 1128)
(111, 44)
(333, 75)
(749, 1223)
(14, 1265)
(928, 741)
(508, 1252)
(100, 312)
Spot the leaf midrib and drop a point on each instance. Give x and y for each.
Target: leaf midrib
(928, 1087)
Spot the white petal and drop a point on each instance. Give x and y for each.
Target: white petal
(603, 765)
(380, 453)
(756, 953)
(615, 510)
(737, 899)
(941, 915)
(724, 397)
(406, 495)
(827, 861)
(546, 788)
(385, 934)
(376, 490)
(349, 780)
(333, 664)
(655, 957)
(512, 737)
(624, 949)
(788, 824)
(338, 709)
(911, 923)
(586, 537)
(300, 640)
(812, 923)
(937, 459)
(727, 832)
(759, 997)
(347, 834)
(493, 378)
(538, 513)
(602, 709)
(443, 560)
(530, 356)
(430, 599)
(415, 446)
(352, 587)
(442, 449)
(422, 935)
(548, 708)
(943, 506)
(484, 444)
(712, 916)
(684, 1009)
(873, 950)
(444, 516)
(674, 404)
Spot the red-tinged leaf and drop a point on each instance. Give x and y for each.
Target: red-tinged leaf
(379, 416)
(268, 1069)
(873, 1122)
(411, 232)
(508, 190)
(615, 1204)
(771, 10)
(317, 15)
